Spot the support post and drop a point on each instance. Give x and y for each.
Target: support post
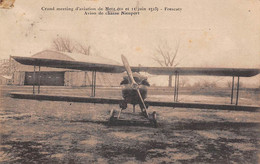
(85, 81)
(33, 79)
(175, 85)
(237, 90)
(95, 78)
(39, 79)
(92, 84)
(177, 89)
(232, 90)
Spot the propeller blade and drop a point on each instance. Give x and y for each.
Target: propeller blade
(128, 69)
(132, 81)
(142, 100)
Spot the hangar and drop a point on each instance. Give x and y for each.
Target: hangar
(24, 74)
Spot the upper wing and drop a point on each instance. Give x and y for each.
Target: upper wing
(88, 66)
(67, 64)
(243, 72)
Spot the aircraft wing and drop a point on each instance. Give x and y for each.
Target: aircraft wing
(242, 72)
(109, 68)
(69, 64)
(116, 101)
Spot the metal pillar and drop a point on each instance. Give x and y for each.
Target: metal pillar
(39, 79)
(237, 90)
(33, 79)
(232, 90)
(93, 86)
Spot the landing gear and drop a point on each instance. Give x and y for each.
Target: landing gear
(119, 113)
(150, 117)
(144, 112)
(153, 119)
(142, 106)
(112, 115)
(123, 105)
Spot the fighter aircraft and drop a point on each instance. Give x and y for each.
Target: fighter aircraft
(135, 85)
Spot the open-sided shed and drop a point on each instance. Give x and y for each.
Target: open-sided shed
(24, 74)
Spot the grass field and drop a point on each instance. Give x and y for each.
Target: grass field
(63, 132)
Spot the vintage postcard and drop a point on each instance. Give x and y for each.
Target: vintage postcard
(112, 81)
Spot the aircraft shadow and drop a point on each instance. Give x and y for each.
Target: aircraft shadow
(212, 125)
(119, 122)
(202, 125)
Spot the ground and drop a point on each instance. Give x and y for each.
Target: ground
(65, 132)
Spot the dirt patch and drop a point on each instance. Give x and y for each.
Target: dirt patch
(61, 132)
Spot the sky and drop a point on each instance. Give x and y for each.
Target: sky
(216, 33)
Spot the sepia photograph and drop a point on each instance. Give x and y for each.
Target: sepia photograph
(98, 81)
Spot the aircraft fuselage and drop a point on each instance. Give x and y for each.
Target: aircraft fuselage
(130, 94)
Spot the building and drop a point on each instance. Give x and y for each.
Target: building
(23, 74)
(5, 80)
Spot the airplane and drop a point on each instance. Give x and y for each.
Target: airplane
(134, 90)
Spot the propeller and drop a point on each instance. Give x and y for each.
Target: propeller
(133, 83)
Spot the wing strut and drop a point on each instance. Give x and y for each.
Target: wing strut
(34, 79)
(176, 87)
(39, 79)
(237, 90)
(93, 85)
(232, 90)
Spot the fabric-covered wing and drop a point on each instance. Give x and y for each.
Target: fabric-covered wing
(202, 106)
(88, 66)
(99, 100)
(52, 97)
(242, 72)
(85, 66)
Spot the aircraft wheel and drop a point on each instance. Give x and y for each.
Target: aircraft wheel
(123, 105)
(147, 105)
(154, 119)
(112, 115)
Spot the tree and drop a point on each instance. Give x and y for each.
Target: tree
(229, 84)
(208, 84)
(166, 57)
(64, 44)
(184, 82)
(83, 49)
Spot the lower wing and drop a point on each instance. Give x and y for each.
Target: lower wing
(97, 100)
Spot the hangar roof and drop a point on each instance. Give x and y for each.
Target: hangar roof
(50, 54)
